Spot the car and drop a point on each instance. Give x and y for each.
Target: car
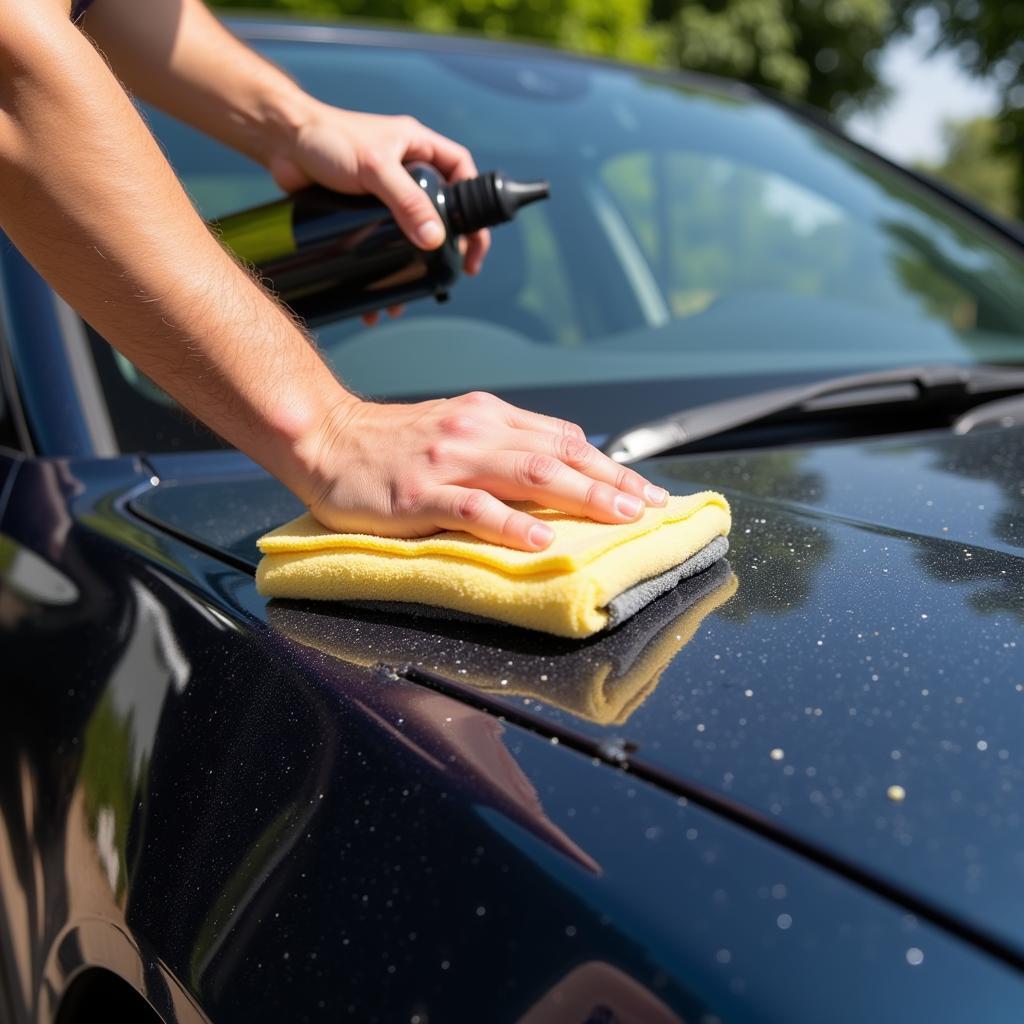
(789, 790)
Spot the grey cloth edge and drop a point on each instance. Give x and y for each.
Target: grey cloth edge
(632, 643)
(620, 608)
(629, 602)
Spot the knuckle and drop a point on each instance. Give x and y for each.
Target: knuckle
(457, 425)
(575, 452)
(478, 399)
(597, 495)
(440, 453)
(538, 470)
(470, 506)
(572, 431)
(625, 479)
(407, 500)
(371, 162)
(408, 121)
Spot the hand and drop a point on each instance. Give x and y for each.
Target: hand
(366, 153)
(446, 464)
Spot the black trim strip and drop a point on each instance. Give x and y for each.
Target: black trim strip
(132, 507)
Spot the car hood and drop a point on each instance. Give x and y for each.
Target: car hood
(853, 678)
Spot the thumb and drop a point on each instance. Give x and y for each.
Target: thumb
(413, 210)
(288, 175)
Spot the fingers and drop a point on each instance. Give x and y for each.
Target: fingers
(372, 319)
(416, 216)
(568, 443)
(478, 245)
(526, 420)
(532, 476)
(481, 514)
(287, 174)
(582, 456)
(456, 163)
(453, 464)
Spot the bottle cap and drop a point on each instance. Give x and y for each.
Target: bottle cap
(488, 200)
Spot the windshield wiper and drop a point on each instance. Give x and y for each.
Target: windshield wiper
(1000, 412)
(939, 385)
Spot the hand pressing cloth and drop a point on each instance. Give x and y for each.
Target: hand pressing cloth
(591, 577)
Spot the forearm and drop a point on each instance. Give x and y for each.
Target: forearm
(177, 56)
(90, 201)
(88, 198)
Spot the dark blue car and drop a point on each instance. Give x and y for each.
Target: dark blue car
(791, 790)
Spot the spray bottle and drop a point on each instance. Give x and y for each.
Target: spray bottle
(330, 256)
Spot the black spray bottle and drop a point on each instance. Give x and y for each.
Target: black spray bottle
(330, 256)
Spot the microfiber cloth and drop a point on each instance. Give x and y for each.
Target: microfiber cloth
(565, 590)
(625, 605)
(603, 679)
(620, 608)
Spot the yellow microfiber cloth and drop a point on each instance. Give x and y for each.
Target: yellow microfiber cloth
(564, 589)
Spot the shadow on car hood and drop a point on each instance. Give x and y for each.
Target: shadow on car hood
(858, 684)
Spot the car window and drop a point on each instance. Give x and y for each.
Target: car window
(712, 229)
(692, 234)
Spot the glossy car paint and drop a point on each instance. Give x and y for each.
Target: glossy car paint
(871, 642)
(254, 811)
(250, 829)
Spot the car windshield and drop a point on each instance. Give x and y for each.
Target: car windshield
(699, 242)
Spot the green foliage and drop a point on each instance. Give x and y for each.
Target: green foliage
(821, 51)
(817, 50)
(617, 28)
(977, 165)
(988, 37)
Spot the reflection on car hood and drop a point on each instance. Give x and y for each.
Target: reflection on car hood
(863, 688)
(601, 680)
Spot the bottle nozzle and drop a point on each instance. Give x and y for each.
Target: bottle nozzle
(489, 200)
(522, 193)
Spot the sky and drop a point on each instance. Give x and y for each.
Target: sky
(927, 90)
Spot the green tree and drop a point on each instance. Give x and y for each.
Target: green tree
(821, 51)
(616, 28)
(988, 37)
(977, 165)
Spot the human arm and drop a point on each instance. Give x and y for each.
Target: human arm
(177, 56)
(90, 200)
